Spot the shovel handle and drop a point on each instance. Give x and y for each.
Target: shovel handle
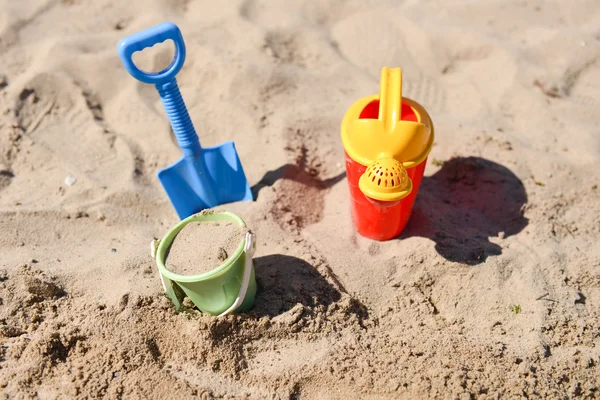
(164, 81)
(148, 38)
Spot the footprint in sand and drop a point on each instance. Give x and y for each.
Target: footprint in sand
(474, 60)
(288, 355)
(580, 84)
(269, 16)
(384, 37)
(79, 143)
(6, 177)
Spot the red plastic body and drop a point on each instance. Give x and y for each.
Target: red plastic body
(376, 219)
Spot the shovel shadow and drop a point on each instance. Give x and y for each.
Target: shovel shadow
(295, 173)
(461, 206)
(284, 281)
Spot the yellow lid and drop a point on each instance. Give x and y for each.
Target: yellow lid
(366, 140)
(386, 180)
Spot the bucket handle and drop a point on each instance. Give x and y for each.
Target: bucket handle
(153, 246)
(249, 249)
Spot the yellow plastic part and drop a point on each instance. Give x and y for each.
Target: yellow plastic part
(366, 140)
(385, 180)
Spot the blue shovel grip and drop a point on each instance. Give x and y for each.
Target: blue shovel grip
(148, 38)
(179, 118)
(164, 80)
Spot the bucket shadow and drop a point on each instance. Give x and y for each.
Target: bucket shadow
(295, 173)
(284, 281)
(469, 200)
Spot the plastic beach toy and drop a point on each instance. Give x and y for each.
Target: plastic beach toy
(229, 287)
(203, 177)
(387, 140)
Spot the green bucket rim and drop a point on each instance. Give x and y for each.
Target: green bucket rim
(167, 241)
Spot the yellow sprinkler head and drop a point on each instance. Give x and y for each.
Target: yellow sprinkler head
(385, 179)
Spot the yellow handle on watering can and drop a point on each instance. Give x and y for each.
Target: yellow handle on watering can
(388, 135)
(390, 98)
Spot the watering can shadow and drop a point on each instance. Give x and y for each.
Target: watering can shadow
(461, 206)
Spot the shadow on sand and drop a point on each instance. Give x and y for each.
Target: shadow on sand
(465, 203)
(460, 207)
(295, 173)
(284, 281)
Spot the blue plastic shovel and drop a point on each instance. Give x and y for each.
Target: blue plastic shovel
(203, 177)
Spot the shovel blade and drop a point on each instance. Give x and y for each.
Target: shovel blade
(213, 178)
(225, 168)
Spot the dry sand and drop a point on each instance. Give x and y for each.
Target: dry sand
(508, 213)
(202, 246)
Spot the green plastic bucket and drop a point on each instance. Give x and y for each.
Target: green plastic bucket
(229, 287)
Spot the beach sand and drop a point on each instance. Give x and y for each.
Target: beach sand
(508, 213)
